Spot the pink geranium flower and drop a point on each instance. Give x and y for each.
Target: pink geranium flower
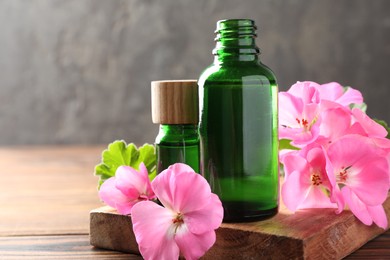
(361, 171)
(298, 121)
(344, 155)
(306, 183)
(187, 222)
(127, 188)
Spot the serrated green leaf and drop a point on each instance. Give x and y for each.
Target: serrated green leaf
(118, 154)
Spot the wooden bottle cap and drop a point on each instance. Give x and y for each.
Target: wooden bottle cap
(175, 102)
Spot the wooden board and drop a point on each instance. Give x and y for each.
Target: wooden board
(307, 234)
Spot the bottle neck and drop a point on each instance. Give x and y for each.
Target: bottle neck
(178, 134)
(235, 41)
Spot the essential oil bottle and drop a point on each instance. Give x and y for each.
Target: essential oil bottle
(239, 125)
(175, 108)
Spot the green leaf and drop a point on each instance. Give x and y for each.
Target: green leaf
(385, 125)
(286, 144)
(118, 154)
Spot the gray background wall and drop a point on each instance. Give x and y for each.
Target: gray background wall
(79, 71)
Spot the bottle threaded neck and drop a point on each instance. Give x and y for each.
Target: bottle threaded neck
(235, 37)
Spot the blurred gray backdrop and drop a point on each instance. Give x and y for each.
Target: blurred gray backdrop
(79, 71)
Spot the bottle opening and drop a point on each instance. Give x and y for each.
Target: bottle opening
(234, 23)
(236, 37)
(235, 28)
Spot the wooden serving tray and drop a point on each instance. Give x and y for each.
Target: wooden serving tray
(307, 234)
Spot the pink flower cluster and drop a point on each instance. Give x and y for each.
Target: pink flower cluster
(186, 221)
(343, 155)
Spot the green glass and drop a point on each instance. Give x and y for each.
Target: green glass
(177, 143)
(239, 125)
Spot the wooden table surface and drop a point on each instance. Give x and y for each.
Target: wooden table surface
(46, 194)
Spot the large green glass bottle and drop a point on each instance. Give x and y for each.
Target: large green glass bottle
(239, 125)
(175, 108)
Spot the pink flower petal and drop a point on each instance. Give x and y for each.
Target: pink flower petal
(330, 171)
(307, 90)
(124, 208)
(330, 91)
(301, 138)
(181, 189)
(207, 218)
(315, 157)
(335, 122)
(351, 96)
(294, 191)
(370, 182)
(317, 160)
(334, 92)
(382, 143)
(114, 197)
(133, 183)
(356, 128)
(349, 149)
(310, 112)
(193, 246)
(298, 136)
(144, 171)
(378, 215)
(192, 192)
(181, 167)
(357, 207)
(327, 104)
(293, 162)
(371, 127)
(289, 108)
(337, 197)
(335, 192)
(316, 198)
(291, 133)
(152, 225)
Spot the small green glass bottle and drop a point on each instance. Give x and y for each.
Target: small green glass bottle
(175, 108)
(239, 125)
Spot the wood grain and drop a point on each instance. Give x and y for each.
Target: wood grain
(47, 190)
(307, 234)
(175, 102)
(77, 247)
(55, 247)
(379, 248)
